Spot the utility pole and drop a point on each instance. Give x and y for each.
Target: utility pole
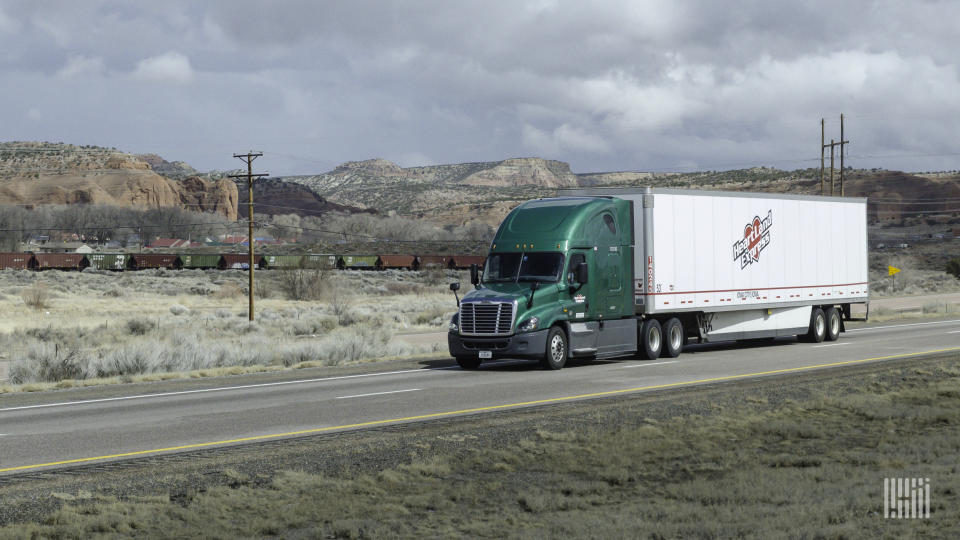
(248, 159)
(842, 142)
(833, 144)
(821, 154)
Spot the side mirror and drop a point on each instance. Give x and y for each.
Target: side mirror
(582, 273)
(474, 274)
(455, 287)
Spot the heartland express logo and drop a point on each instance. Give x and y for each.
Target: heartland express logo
(756, 237)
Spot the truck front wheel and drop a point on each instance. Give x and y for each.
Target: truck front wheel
(651, 339)
(556, 354)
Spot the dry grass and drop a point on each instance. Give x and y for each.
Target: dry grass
(37, 296)
(153, 322)
(811, 468)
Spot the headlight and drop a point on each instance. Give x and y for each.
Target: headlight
(454, 325)
(529, 325)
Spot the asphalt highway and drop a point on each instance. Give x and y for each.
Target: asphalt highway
(54, 430)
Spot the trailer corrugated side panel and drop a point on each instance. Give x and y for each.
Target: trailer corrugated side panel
(725, 251)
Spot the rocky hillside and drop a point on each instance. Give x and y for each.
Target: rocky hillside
(43, 173)
(275, 197)
(485, 192)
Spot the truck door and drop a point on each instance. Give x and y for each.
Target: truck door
(604, 228)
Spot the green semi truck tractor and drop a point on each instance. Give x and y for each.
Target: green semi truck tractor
(600, 274)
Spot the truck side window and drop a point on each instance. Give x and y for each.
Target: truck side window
(610, 223)
(575, 259)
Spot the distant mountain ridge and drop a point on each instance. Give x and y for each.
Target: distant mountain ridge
(458, 194)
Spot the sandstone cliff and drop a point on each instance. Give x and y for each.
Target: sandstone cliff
(43, 173)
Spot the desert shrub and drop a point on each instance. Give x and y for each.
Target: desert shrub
(229, 289)
(262, 289)
(54, 362)
(113, 292)
(135, 360)
(178, 309)
(303, 283)
(223, 313)
(139, 327)
(933, 307)
(201, 289)
(313, 327)
(953, 267)
(36, 296)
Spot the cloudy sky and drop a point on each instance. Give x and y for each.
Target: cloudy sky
(603, 85)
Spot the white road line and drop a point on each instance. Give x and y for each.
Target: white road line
(380, 393)
(954, 332)
(903, 325)
(651, 364)
(242, 387)
(224, 389)
(830, 345)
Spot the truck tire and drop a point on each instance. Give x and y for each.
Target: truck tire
(651, 340)
(469, 362)
(818, 327)
(832, 320)
(556, 354)
(673, 338)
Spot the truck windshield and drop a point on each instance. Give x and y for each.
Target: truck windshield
(523, 267)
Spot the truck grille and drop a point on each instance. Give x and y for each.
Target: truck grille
(486, 318)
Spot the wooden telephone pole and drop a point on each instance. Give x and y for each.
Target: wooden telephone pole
(823, 148)
(248, 158)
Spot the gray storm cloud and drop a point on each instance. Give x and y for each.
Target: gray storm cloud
(604, 85)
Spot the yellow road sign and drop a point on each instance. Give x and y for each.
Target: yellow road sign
(891, 270)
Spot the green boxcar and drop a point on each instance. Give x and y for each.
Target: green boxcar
(360, 261)
(283, 261)
(320, 261)
(200, 260)
(108, 261)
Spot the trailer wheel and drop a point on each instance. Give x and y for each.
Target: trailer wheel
(832, 319)
(673, 338)
(469, 362)
(651, 339)
(556, 354)
(818, 327)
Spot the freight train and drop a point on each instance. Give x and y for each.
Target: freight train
(226, 261)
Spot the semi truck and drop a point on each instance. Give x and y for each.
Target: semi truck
(643, 271)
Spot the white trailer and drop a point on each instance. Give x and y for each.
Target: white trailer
(747, 265)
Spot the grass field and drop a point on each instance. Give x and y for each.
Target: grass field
(89, 326)
(807, 466)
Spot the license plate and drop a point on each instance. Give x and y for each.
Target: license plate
(486, 354)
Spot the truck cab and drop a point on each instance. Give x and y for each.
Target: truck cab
(556, 284)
